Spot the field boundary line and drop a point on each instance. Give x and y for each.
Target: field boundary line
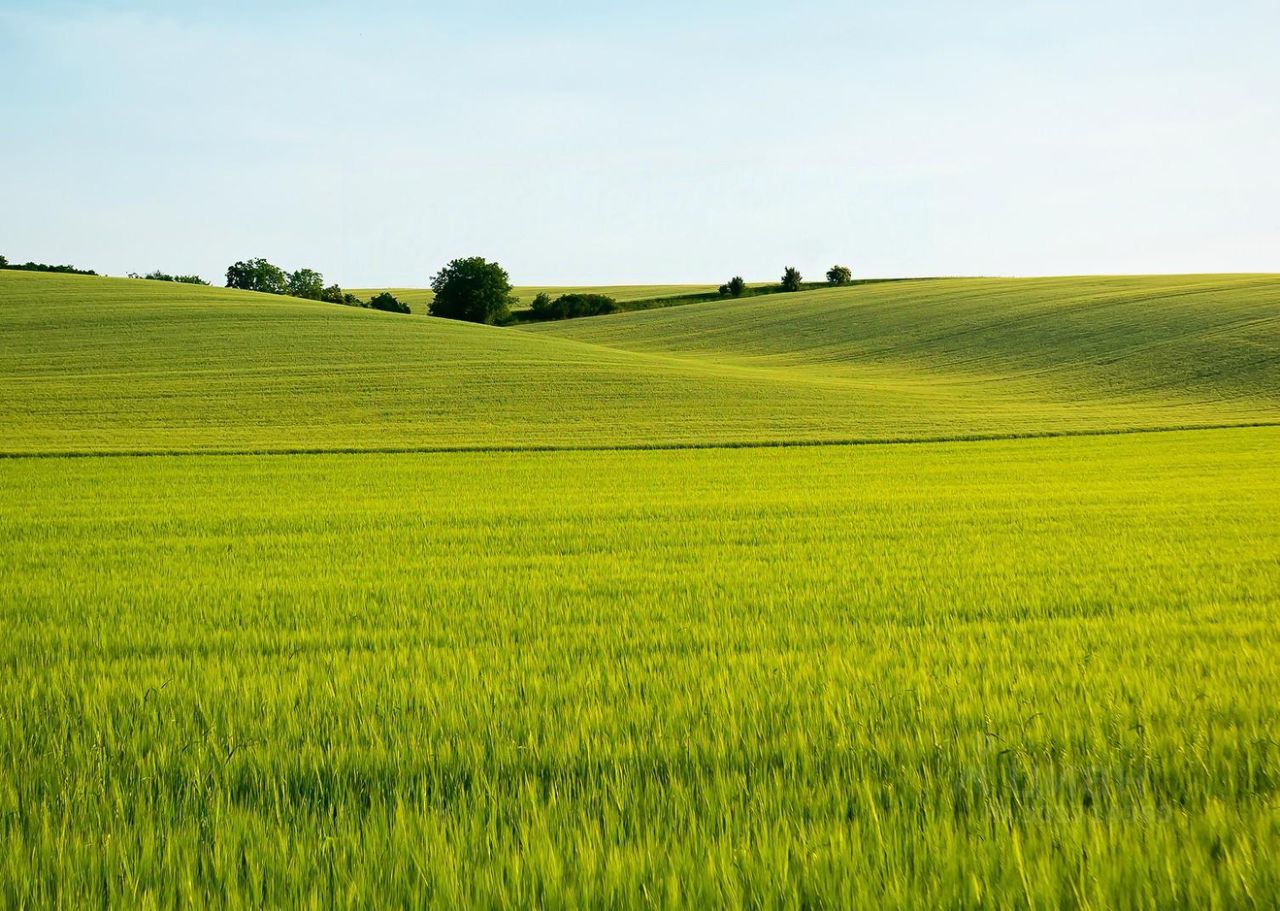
(445, 449)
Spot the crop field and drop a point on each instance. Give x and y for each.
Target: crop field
(91, 365)
(956, 593)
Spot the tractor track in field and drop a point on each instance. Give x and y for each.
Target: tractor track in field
(629, 447)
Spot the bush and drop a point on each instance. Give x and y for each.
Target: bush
(839, 275)
(791, 279)
(735, 287)
(257, 275)
(387, 301)
(571, 306)
(472, 289)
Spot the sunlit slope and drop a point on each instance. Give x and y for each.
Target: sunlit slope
(112, 365)
(1186, 340)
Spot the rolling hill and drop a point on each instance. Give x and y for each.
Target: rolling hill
(97, 365)
(964, 674)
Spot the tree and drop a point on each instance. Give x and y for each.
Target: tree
(257, 275)
(305, 283)
(734, 287)
(472, 289)
(839, 275)
(4, 263)
(791, 279)
(387, 301)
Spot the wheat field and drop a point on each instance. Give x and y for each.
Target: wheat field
(268, 642)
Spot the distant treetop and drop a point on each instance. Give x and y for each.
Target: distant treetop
(839, 275)
(257, 275)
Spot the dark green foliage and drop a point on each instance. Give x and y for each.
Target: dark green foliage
(791, 279)
(839, 275)
(734, 287)
(43, 267)
(305, 283)
(158, 276)
(335, 295)
(388, 302)
(472, 289)
(257, 275)
(571, 306)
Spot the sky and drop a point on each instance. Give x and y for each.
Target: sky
(642, 142)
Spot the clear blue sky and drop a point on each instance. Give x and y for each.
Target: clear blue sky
(643, 141)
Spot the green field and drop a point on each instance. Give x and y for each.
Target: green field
(305, 605)
(91, 365)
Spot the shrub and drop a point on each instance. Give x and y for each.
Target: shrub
(388, 302)
(472, 289)
(571, 306)
(791, 279)
(735, 287)
(839, 275)
(257, 275)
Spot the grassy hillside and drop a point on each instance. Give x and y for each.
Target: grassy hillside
(1194, 338)
(1013, 673)
(1009, 674)
(112, 365)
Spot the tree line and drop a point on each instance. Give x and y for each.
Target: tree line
(43, 267)
(791, 281)
(308, 284)
(472, 289)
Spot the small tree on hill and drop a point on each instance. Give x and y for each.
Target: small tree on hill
(839, 275)
(306, 283)
(734, 287)
(472, 289)
(4, 263)
(257, 275)
(791, 279)
(388, 302)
